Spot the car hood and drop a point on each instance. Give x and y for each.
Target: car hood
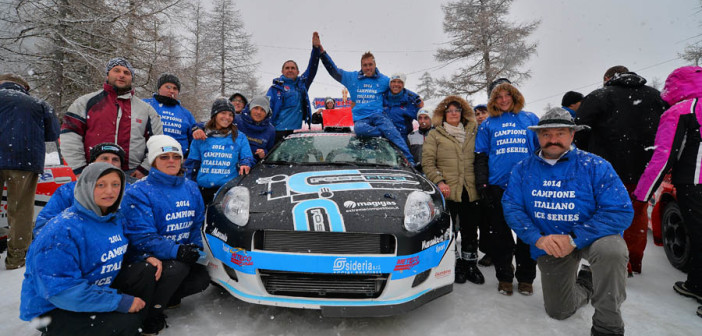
(330, 198)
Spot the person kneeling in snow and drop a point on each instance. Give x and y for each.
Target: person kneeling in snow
(568, 205)
(164, 215)
(74, 284)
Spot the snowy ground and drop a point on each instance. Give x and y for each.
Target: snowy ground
(652, 308)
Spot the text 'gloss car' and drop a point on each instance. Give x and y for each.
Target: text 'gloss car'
(335, 222)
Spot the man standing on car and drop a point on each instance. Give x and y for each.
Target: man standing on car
(624, 116)
(568, 205)
(113, 114)
(366, 88)
(26, 123)
(290, 103)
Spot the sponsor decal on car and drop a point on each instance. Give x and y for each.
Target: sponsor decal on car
(431, 242)
(219, 235)
(240, 259)
(406, 263)
(353, 206)
(346, 266)
(442, 274)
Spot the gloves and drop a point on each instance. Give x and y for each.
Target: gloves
(188, 253)
(485, 196)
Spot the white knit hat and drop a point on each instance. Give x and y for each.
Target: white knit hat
(398, 75)
(161, 144)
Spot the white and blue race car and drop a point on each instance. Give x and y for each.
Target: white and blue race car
(335, 222)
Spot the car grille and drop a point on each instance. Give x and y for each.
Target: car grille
(316, 285)
(324, 242)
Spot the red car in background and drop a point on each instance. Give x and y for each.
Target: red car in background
(668, 227)
(56, 173)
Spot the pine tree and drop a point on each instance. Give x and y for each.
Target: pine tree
(426, 88)
(486, 43)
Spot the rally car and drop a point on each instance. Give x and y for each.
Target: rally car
(335, 222)
(668, 226)
(55, 174)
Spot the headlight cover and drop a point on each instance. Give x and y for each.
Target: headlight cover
(419, 211)
(235, 205)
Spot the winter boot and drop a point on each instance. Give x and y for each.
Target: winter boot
(584, 279)
(505, 288)
(154, 324)
(681, 288)
(595, 332)
(699, 311)
(525, 288)
(461, 267)
(485, 261)
(472, 272)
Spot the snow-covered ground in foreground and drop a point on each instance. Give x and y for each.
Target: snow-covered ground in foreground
(651, 308)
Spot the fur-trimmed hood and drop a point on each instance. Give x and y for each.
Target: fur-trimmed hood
(467, 116)
(516, 95)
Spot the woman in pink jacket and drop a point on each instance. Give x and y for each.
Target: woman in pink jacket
(679, 148)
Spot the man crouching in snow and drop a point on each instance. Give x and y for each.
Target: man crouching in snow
(568, 205)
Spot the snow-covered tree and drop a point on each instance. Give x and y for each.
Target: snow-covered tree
(692, 54)
(234, 53)
(486, 44)
(426, 87)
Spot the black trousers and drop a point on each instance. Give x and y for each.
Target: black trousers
(279, 135)
(690, 202)
(467, 215)
(208, 194)
(504, 247)
(138, 280)
(178, 280)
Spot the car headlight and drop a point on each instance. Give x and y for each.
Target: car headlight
(419, 211)
(236, 205)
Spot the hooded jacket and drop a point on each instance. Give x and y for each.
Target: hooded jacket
(445, 159)
(25, 124)
(177, 121)
(402, 109)
(286, 94)
(162, 212)
(623, 116)
(260, 135)
(79, 253)
(103, 116)
(678, 139)
(503, 139)
(366, 92)
(581, 195)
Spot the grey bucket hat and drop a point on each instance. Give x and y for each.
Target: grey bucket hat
(557, 117)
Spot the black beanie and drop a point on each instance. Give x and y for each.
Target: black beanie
(107, 147)
(497, 82)
(221, 104)
(168, 78)
(570, 98)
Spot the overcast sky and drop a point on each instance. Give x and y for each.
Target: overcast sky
(578, 40)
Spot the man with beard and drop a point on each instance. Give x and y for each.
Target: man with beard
(568, 205)
(416, 138)
(113, 114)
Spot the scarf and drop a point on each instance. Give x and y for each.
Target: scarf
(458, 132)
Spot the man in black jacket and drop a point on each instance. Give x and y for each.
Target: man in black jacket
(624, 117)
(26, 123)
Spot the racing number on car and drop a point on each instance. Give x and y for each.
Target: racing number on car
(318, 218)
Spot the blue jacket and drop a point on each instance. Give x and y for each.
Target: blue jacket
(506, 140)
(177, 120)
(286, 95)
(61, 200)
(213, 162)
(162, 212)
(366, 92)
(260, 135)
(25, 124)
(72, 264)
(402, 109)
(580, 195)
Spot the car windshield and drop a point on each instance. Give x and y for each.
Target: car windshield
(335, 148)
